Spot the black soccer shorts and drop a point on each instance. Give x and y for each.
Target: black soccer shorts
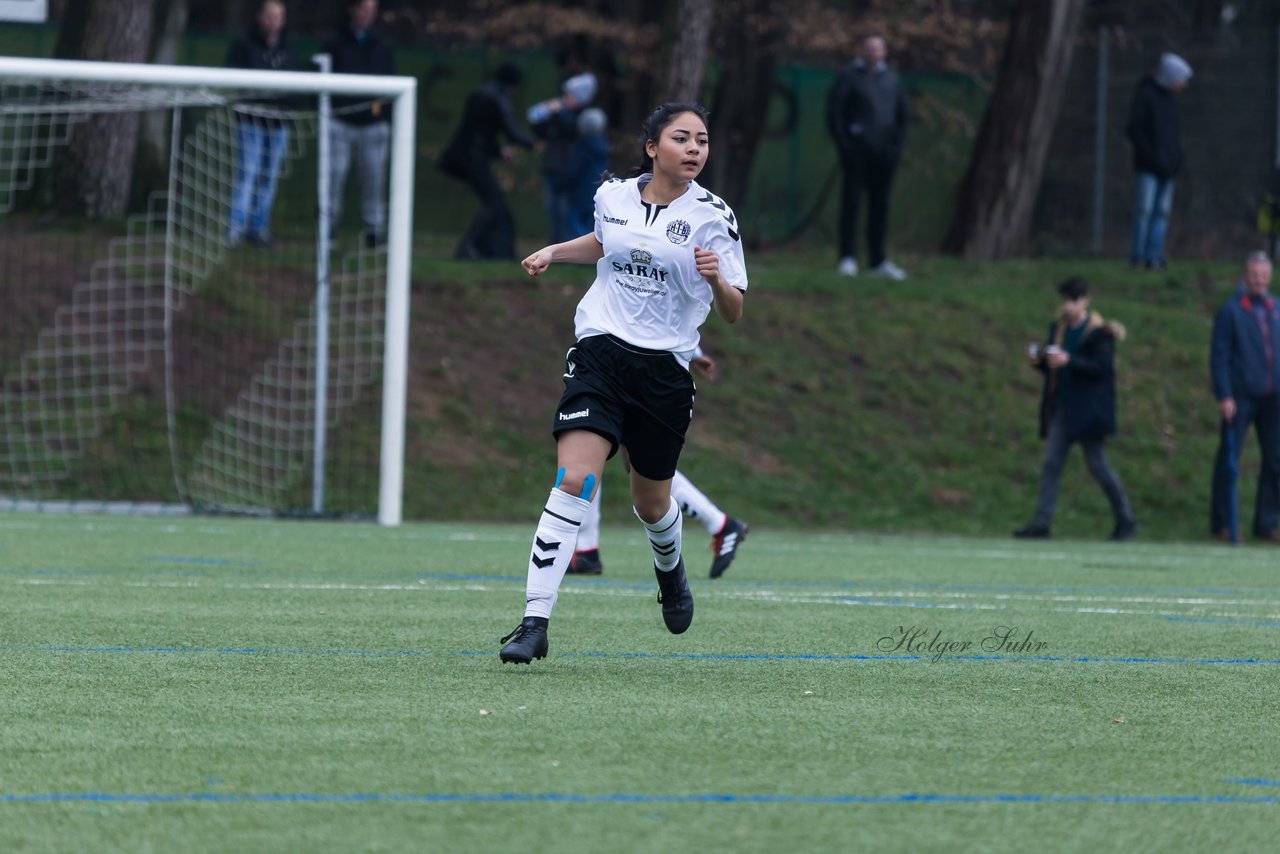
(641, 399)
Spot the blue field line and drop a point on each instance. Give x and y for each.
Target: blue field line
(643, 585)
(908, 603)
(206, 561)
(1253, 781)
(1270, 624)
(201, 650)
(838, 585)
(1003, 659)
(616, 798)
(678, 656)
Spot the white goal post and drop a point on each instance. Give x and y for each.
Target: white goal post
(180, 86)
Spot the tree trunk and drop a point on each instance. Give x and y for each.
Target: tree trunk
(94, 177)
(173, 28)
(993, 210)
(750, 37)
(688, 58)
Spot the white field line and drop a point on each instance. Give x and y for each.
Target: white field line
(879, 599)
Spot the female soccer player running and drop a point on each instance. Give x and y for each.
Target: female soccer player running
(665, 251)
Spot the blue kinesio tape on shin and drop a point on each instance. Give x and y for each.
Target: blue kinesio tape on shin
(588, 484)
(559, 478)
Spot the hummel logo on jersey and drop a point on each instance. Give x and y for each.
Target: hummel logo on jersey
(728, 214)
(615, 220)
(573, 416)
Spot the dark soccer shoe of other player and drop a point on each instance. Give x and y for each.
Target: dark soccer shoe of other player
(675, 598)
(586, 562)
(724, 545)
(526, 642)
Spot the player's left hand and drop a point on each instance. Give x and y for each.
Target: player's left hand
(704, 365)
(707, 262)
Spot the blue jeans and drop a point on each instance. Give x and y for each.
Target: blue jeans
(260, 152)
(1153, 197)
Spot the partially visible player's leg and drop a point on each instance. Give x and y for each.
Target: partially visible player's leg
(727, 533)
(695, 504)
(586, 557)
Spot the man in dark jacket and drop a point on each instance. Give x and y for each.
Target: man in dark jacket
(1155, 130)
(486, 117)
(1078, 404)
(261, 137)
(360, 127)
(867, 119)
(1245, 365)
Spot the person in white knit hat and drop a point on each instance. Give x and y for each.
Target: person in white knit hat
(1155, 131)
(555, 122)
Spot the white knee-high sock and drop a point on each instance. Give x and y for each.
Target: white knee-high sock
(697, 505)
(589, 533)
(553, 544)
(664, 537)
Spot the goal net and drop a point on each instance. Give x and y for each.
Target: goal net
(205, 334)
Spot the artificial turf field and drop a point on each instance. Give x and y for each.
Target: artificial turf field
(242, 685)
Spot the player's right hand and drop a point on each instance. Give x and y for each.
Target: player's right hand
(537, 263)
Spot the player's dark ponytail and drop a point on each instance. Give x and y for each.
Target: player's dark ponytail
(657, 122)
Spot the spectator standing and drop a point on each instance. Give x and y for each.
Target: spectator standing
(486, 117)
(360, 128)
(1245, 366)
(1078, 404)
(261, 138)
(867, 119)
(1155, 130)
(555, 123)
(584, 172)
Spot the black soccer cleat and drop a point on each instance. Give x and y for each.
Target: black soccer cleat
(527, 642)
(675, 598)
(586, 562)
(724, 545)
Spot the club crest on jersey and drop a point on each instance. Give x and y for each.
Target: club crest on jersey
(641, 256)
(678, 232)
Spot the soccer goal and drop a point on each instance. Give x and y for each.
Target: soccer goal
(186, 325)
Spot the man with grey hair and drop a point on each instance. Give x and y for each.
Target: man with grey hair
(1155, 131)
(867, 120)
(1245, 367)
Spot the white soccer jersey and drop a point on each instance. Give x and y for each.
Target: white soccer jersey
(647, 289)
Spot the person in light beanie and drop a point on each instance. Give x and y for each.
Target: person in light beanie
(1155, 131)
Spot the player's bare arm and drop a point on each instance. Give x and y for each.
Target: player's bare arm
(581, 250)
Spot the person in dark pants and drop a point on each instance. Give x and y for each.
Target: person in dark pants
(361, 129)
(1245, 366)
(867, 118)
(1078, 404)
(486, 117)
(1155, 131)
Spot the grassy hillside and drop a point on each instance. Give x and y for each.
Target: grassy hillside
(842, 403)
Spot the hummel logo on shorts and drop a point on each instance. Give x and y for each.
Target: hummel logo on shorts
(571, 416)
